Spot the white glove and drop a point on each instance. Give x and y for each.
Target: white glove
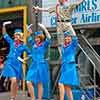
(6, 23)
(42, 26)
(29, 28)
(26, 58)
(20, 59)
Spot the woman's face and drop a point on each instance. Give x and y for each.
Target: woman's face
(37, 39)
(68, 39)
(16, 37)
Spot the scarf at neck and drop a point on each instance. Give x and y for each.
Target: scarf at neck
(66, 44)
(38, 44)
(17, 43)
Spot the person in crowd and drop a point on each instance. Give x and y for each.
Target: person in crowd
(38, 72)
(69, 75)
(13, 64)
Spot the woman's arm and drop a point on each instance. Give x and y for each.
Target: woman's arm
(4, 27)
(29, 32)
(4, 30)
(50, 10)
(26, 58)
(37, 8)
(4, 33)
(47, 41)
(45, 30)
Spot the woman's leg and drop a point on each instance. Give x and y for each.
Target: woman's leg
(61, 91)
(13, 87)
(31, 89)
(40, 91)
(69, 92)
(17, 87)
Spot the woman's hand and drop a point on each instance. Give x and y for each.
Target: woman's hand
(29, 29)
(6, 23)
(41, 26)
(4, 27)
(45, 30)
(35, 9)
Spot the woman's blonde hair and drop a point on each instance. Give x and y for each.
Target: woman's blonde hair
(21, 35)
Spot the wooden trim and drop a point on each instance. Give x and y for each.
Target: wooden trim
(13, 9)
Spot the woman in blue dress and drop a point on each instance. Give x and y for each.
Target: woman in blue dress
(69, 75)
(38, 72)
(13, 64)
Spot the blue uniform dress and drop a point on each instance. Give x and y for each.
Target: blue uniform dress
(38, 71)
(13, 67)
(69, 73)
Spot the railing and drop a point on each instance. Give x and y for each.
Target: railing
(94, 58)
(90, 53)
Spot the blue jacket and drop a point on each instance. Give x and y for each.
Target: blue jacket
(68, 53)
(16, 52)
(39, 52)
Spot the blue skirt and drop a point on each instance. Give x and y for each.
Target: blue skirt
(13, 68)
(38, 72)
(69, 74)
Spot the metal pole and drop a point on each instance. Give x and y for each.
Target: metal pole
(94, 72)
(25, 33)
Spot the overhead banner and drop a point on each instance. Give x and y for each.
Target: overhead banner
(87, 13)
